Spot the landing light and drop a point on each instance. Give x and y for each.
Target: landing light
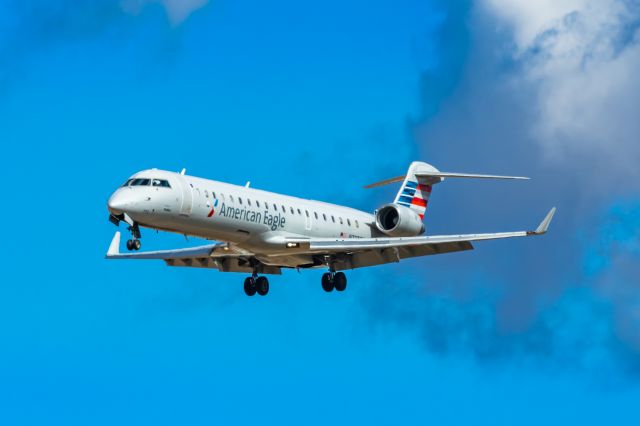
(293, 245)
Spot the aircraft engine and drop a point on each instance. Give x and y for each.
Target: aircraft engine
(395, 220)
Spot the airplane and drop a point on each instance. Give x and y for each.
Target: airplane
(260, 233)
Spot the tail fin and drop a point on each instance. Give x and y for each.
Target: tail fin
(415, 190)
(419, 180)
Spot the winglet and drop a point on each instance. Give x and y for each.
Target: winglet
(544, 225)
(114, 247)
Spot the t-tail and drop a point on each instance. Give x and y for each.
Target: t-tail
(418, 183)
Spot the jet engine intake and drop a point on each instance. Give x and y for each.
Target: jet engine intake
(395, 220)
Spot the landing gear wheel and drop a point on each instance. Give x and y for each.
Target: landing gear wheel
(327, 282)
(340, 281)
(137, 244)
(249, 286)
(262, 286)
(129, 245)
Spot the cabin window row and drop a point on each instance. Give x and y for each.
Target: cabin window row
(284, 209)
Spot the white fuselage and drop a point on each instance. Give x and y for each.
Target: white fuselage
(250, 218)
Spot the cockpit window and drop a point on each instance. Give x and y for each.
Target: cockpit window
(127, 182)
(140, 182)
(163, 183)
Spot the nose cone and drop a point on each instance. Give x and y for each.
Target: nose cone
(119, 202)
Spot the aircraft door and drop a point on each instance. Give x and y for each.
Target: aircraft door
(187, 196)
(307, 223)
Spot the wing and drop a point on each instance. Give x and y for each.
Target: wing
(360, 252)
(222, 256)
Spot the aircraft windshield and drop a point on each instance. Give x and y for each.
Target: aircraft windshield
(146, 182)
(161, 183)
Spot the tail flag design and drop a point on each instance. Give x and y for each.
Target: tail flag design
(414, 195)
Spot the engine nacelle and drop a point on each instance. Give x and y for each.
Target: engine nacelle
(398, 221)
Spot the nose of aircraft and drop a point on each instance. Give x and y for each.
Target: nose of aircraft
(118, 202)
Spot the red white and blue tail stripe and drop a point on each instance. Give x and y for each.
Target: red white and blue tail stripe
(414, 195)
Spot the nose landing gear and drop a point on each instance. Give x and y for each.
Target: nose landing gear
(134, 243)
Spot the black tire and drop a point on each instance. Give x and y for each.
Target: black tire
(129, 245)
(327, 282)
(137, 244)
(262, 286)
(249, 286)
(340, 281)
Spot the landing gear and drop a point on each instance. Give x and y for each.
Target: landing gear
(331, 280)
(262, 286)
(340, 281)
(327, 282)
(253, 285)
(249, 286)
(134, 243)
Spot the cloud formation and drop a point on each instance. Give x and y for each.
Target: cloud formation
(582, 58)
(546, 89)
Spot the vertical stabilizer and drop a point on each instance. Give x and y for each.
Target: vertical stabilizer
(415, 191)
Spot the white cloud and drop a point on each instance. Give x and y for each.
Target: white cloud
(582, 57)
(529, 18)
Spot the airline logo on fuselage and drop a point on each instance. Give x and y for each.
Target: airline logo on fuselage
(213, 209)
(273, 221)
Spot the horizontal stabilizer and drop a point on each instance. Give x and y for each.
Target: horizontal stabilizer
(437, 176)
(386, 182)
(466, 175)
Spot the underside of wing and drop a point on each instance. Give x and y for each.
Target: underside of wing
(222, 256)
(360, 252)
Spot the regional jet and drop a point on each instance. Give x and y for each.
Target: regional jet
(260, 233)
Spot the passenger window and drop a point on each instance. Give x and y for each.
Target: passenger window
(324, 216)
(348, 222)
(307, 212)
(213, 194)
(240, 200)
(299, 212)
(291, 210)
(315, 214)
(275, 207)
(206, 193)
(357, 225)
(341, 223)
(249, 201)
(266, 205)
(231, 198)
(258, 203)
(283, 209)
(333, 219)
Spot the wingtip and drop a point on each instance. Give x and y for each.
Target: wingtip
(114, 247)
(544, 225)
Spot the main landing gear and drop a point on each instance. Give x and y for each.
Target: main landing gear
(255, 284)
(331, 280)
(134, 243)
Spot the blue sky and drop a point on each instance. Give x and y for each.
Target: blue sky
(317, 101)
